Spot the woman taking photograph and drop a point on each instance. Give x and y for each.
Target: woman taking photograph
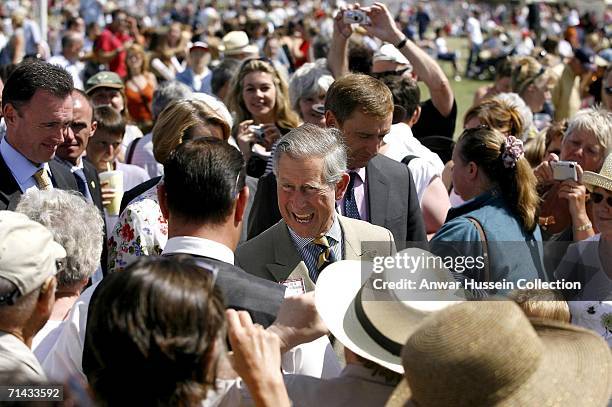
(590, 261)
(259, 99)
(497, 184)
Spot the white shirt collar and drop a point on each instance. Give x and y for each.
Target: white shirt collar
(200, 247)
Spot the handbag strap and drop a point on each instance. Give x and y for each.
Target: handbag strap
(485, 246)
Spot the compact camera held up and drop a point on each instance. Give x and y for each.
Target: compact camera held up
(356, 17)
(258, 131)
(563, 170)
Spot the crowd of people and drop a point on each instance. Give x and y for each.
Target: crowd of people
(215, 212)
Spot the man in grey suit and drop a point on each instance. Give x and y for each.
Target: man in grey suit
(380, 190)
(310, 165)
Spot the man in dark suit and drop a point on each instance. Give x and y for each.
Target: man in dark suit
(203, 197)
(70, 152)
(380, 190)
(37, 109)
(70, 155)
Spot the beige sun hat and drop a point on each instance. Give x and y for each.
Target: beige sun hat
(603, 179)
(237, 42)
(490, 354)
(374, 323)
(28, 253)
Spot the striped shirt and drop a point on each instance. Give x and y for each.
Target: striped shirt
(309, 252)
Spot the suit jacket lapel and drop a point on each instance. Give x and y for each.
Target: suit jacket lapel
(9, 189)
(93, 183)
(378, 191)
(288, 265)
(352, 244)
(62, 177)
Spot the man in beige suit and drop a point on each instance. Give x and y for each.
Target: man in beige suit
(310, 164)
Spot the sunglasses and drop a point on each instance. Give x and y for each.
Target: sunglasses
(608, 90)
(596, 197)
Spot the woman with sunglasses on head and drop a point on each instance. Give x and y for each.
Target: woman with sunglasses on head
(532, 82)
(498, 219)
(590, 261)
(259, 99)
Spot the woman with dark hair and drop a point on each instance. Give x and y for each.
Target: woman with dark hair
(497, 184)
(156, 334)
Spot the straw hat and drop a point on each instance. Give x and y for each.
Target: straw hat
(237, 42)
(603, 179)
(375, 323)
(489, 354)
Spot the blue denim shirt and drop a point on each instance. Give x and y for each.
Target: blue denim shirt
(514, 253)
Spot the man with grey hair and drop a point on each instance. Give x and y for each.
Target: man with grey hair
(140, 151)
(311, 168)
(81, 234)
(28, 265)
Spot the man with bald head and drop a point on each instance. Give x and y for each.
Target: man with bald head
(70, 152)
(72, 44)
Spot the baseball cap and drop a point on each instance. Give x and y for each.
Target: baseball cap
(388, 52)
(28, 253)
(104, 79)
(586, 56)
(198, 44)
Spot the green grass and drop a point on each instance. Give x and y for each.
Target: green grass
(463, 90)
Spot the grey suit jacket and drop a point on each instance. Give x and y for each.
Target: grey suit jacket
(273, 256)
(392, 200)
(10, 193)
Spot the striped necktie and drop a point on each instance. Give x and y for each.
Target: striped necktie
(325, 257)
(350, 203)
(43, 181)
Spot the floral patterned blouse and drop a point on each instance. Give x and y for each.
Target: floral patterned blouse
(141, 230)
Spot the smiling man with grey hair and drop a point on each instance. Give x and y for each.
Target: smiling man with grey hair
(77, 225)
(310, 165)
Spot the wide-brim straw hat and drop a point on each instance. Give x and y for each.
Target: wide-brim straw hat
(490, 354)
(603, 179)
(374, 324)
(237, 42)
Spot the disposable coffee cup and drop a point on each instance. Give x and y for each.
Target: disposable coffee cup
(114, 179)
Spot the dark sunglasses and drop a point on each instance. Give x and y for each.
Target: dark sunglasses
(596, 197)
(608, 90)
(262, 59)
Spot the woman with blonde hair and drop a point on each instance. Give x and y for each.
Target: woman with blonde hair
(533, 83)
(496, 114)
(259, 99)
(142, 229)
(139, 87)
(497, 184)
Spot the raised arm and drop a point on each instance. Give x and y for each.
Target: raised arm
(337, 57)
(424, 66)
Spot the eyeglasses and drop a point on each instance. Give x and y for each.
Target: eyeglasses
(596, 197)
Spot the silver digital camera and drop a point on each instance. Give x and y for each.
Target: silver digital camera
(355, 17)
(258, 130)
(563, 170)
